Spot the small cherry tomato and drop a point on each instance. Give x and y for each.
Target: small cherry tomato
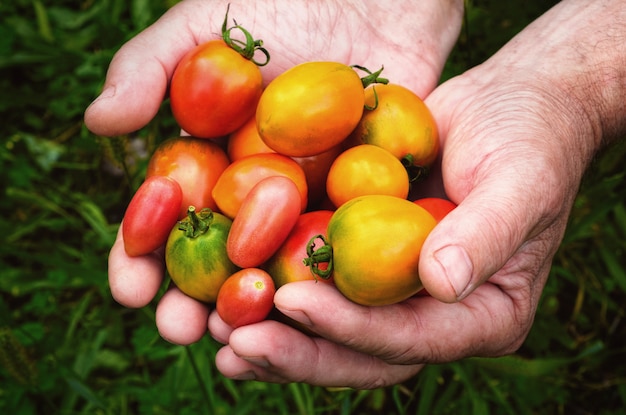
(216, 86)
(241, 176)
(246, 297)
(400, 123)
(310, 108)
(195, 254)
(246, 141)
(366, 170)
(195, 164)
(436, 206)
(374, 243)
(286, 264)
(151, 214)
(265, 218)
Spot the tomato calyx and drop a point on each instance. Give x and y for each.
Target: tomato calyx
(247, 48)
(196, 224)
(416, 173)
(322, 255)
(372, 78)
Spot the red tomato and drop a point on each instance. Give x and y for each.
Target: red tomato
(436, 206)
(263, 222)
(316, 170)
(242, 175)
(151, 214)
(246, 297)
(286, 264)
(214, 90)
(195, 164)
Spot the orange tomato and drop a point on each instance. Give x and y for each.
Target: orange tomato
(246, 141)
(366, 170)
(242, 175)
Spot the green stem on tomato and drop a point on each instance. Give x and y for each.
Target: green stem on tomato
(416, 173)
(321, 255)
(370, 79)
(248, 48)
(196, 224)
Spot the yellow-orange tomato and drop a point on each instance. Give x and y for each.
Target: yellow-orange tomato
(366, 170)
(246, 141)
(310, 108)
(242, 175)
(400, 123)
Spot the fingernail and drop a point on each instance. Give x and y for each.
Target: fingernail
(249, 375)
(297, 315)
(257, 361)
(457, 267)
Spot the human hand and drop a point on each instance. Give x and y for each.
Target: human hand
(351, 32)
(518, 133)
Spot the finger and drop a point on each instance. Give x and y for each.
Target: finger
(134, 281)
(181, 319)
(218, 329)
(419, 330)
(272, 352)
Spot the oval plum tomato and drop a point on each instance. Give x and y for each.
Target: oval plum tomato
(438, 207)
(214, 90)
(400, 123)
(374, 242)
(286, 264)
(366, 170)
(195, 254)
(241, 176)
(246, 297)
(263, 222)
(246, 141)
(195, 164)
(310, 108)
(151, 214)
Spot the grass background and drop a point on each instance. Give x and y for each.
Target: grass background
(66, 347)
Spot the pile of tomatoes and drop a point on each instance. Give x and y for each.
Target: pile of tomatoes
(307, 178)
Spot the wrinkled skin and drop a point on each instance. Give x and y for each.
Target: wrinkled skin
(517, 134)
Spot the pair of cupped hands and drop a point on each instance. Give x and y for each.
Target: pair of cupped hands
(514, 148)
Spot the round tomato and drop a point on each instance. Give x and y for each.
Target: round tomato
(151, 214)
(436, 206)
(374, 242)
(195, 254)
(286, 264)
(400, 123)
(366, 170)
(246, 141)
(241, 176)
(195, 164)
(246, 297)
(263, 222)
(310, 108)
(214, 90)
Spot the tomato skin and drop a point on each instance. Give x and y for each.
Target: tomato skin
(401, 123)
(376, 242)
(150, 215)
(286, 264)
(438, 207)
(267, 215)
(195, 164)
(310, 108)
(199, 265)
(246, 141)
(214, 90)
(241, 176)
(246, 297)
(365, 170)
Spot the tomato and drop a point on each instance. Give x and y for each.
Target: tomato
(195, 254)
(263, 222)
(316, 170)
(438, 207)
(310, 108)
(401, 123)
(195, 164)
(286, 264)
(246, 141)
(150, 215)
(247, 297)
(374, 242)
(366, 170)
(241, 176)
(214, 90)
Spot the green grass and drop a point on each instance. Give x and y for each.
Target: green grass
(66, 347)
